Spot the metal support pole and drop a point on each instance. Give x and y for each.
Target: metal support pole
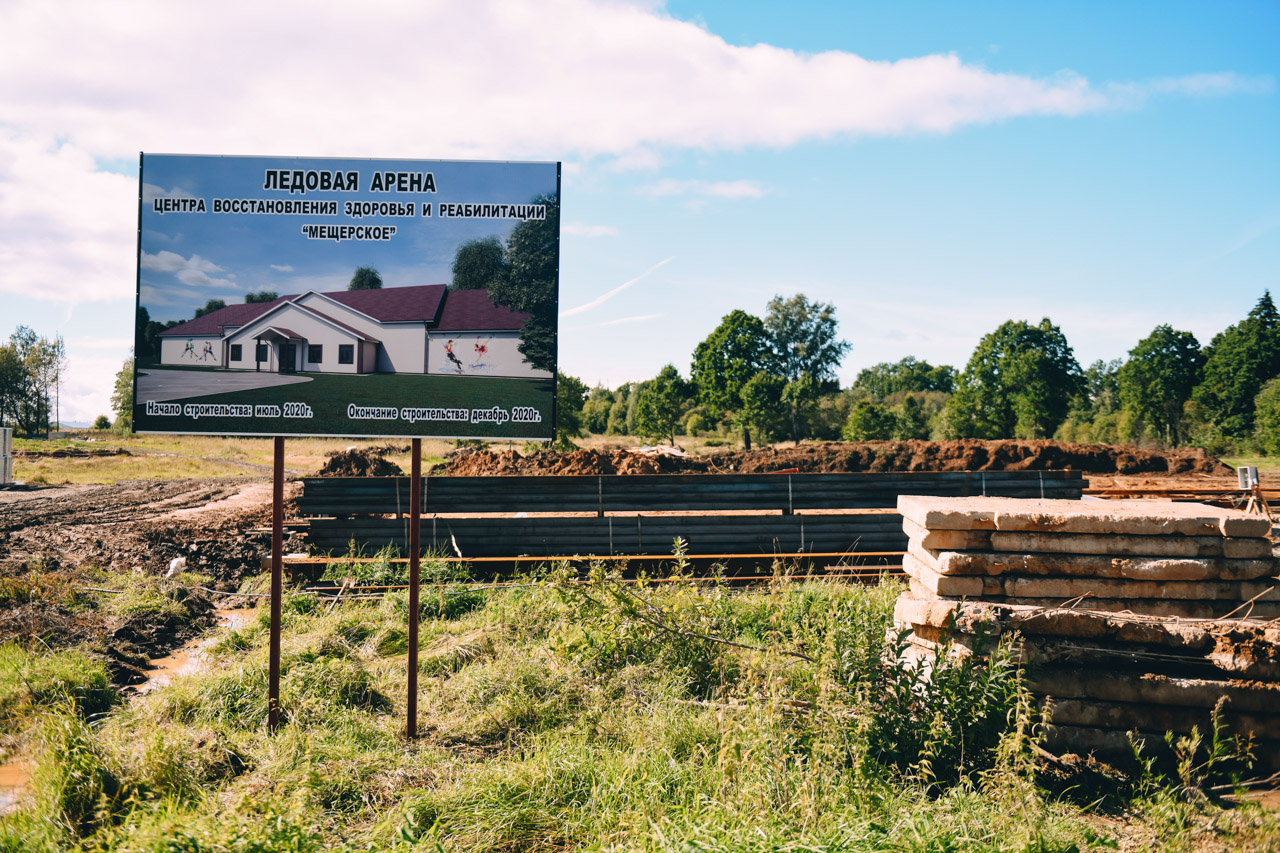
(277, 584)
(415, 551)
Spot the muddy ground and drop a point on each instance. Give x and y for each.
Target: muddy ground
(54, 539)
(842, 457)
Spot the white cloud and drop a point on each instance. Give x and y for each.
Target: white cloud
(151, 192)
(559, 77)
(705, 189)
(575, 230)
(605, 297)
(281, 267)
(638, 318)
(193, 271)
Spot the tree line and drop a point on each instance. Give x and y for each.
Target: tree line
(774, 378)
(30, 373)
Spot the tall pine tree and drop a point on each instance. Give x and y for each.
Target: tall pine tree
(1238, 362)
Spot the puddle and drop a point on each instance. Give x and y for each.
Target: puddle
(13, 784)
(190, 657)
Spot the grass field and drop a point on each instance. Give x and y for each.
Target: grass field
(554, 717)
(328, 396)
(163, 457)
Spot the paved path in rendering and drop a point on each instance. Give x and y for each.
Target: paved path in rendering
(161, 386)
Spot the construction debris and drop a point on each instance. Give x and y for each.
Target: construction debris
(1132, 617)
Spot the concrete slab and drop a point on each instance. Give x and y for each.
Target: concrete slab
(1165, 608)
(1137, 517)
(1262, 641)
(1088, 565)
(1155, 689)
(1014, 586)
(947, 540)
(1130, 545)
(1123, 716)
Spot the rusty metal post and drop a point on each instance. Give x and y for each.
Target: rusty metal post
(415, 551)
(277, 584)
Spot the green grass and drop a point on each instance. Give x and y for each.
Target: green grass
(32, 681)
(605, 717)
(329, 394)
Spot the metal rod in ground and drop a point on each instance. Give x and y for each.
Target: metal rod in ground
(415, 552)
(277, 584)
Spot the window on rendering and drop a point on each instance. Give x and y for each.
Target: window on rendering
(346, 354)
(315, 353)
(235, 352)
(264, 352)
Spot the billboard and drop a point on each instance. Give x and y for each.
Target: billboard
(346, 297)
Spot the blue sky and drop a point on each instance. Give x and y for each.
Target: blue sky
(932, 169)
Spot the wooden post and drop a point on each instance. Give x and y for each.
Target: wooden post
(277, 584)
(415, 551)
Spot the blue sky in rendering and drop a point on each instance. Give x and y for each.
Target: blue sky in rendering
(188, 258)
(933, 169)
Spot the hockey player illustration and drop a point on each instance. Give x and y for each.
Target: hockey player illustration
(191, 349)
(448, 351)
(208, 352)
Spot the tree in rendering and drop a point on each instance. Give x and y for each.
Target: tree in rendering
(211, 306)
(479, 264)
(726, 361)
(365, 278)
(261, 296)
(531, 281)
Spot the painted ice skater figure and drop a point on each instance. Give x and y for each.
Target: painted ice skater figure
(482, 349)
(448, 351)
(191, 349)
(208, 352)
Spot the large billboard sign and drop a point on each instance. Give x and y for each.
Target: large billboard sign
(287, 296)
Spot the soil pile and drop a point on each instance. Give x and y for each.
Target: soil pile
(71, 453)
(358, 462)
(837, 457)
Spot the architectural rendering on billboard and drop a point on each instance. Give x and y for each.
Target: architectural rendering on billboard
(286, 296)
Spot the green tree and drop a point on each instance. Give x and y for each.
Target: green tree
(911, 421)
(799, 397)
(365, 278)
(595, 412)
(571, 393)
(261, 296)
(803, 335)
(13, 384)
(1237, 362)
(101, 422)
(530, 285)
(1094, 413)
(761, 404)
(1019, 383)
(122, 397)
(908, 374)
(210, 306)
(479, 264)
(1156, 382)
(869, 422)
(1266, 418)
(660, 403)
(726, 361)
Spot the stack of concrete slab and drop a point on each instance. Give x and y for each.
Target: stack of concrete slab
(1132, 615)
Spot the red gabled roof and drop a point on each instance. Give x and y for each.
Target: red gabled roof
(391, 304)
(386, 305)
(473, 310)
(233, 315)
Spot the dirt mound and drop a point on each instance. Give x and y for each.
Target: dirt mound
(358, 462)
(71, 453)
(835, 457)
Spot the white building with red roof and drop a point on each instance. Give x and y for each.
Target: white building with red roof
(422, 329)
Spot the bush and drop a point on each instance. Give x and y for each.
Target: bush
(30, 682)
